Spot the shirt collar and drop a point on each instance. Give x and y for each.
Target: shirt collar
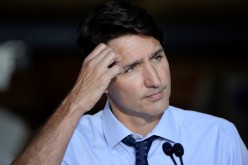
(166, 127)
(115, 131)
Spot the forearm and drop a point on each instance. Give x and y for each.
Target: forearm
(50, 144)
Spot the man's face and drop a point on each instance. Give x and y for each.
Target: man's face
(143, 89)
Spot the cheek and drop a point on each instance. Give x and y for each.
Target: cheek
(164, 71)
(126, 88)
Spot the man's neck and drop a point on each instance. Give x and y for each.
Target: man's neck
(138, 124)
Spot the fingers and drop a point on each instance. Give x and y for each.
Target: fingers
(95, 52)
(109, 59)
(100, 49)
(113, 72)
(98, 69)
(102, 57)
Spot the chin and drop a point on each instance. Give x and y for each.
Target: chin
(163, 106)
(158, 109)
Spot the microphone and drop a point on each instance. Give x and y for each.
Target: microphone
(168, 150)
(178, 151)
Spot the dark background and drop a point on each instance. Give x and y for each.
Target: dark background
(206, 44)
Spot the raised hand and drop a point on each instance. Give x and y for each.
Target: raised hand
(96, 73)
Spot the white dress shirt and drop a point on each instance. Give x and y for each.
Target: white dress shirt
(207, 140)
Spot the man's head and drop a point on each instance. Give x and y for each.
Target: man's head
(142, 90)
(112, 20)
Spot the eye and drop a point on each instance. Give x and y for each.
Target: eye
(157, 58)
(130, 69)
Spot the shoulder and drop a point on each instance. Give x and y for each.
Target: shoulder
(199, 126)
(202, 120)
(88, 127)
(87, 135)
(197, 130)
(90, 121)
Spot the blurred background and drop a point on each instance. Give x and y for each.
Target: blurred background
(205, 41)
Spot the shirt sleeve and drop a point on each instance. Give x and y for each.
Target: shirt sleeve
(239, 153)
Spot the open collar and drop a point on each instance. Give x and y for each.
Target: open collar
(115, 131)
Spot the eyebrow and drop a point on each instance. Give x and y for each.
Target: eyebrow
(156, 53)
(136, 62)
(139, 61)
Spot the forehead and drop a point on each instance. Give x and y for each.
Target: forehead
(134, 46)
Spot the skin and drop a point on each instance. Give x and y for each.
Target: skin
(138, 105)
(49, 146)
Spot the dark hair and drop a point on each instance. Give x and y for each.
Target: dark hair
(112, 20)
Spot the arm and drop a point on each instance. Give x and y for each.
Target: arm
(50, 144)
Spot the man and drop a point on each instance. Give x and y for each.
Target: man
(126, 61)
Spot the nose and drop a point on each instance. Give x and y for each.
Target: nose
(151, 77)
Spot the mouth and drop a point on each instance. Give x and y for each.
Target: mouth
(155, 96)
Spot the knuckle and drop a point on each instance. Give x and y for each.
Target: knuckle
(87, 59)
(102, 78)
(111, 53)
(90, 63)
(102, 45)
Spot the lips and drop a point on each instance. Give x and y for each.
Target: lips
(155, 96)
